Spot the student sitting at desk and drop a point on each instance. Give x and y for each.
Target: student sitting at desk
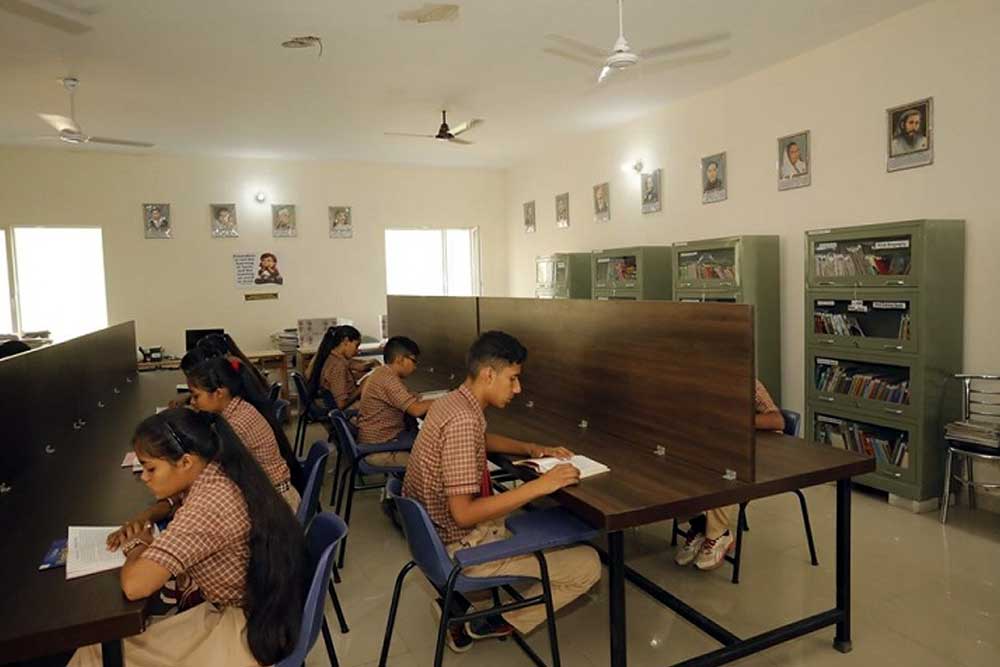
(711, 535)
(230, 525)
(385, 402)
(223, 345)
(448, 475)
(334, 367)
(217, 387)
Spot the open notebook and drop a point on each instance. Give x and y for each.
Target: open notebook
(87, 551)
(587, 467)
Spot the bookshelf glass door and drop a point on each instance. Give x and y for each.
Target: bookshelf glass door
(888, 443)
(885, 322)
(876, 259)
(877, 387)
(711, 268)
(543, 272)
(622, 271)
(562, 273)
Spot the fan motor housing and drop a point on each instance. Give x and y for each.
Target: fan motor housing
(621, 60)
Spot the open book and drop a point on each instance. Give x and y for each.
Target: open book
(87, 551)
(587, 467)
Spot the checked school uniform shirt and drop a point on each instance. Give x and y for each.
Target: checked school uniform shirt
(336, 376)
(384, 401)
(257, 436)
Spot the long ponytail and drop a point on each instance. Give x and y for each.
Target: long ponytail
(276, 573)
(333, 337)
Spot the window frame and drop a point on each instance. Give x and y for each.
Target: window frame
(475, 252)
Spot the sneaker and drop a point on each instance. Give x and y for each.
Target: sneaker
(488, 627)
(713, 552)
(689, 550)
(456, 638)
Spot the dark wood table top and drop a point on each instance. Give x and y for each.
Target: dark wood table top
(81, 483)
(644, 487)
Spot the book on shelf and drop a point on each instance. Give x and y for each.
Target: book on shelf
(855, 437)
(855, 261)
(837, 324)
(846, 379)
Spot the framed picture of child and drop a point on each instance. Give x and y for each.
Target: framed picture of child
(341, 223)
(224, 224)
(156, 221)
(283, 221)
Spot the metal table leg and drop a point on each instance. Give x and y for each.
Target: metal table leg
(616, 597)
(111, 653)
(842, 639)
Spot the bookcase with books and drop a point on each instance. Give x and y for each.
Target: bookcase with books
(738, 269)
(631, 274)
(884, 320)
(564, 275)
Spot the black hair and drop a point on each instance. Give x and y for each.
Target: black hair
(220, 345)
(333, 337)
(271, 255)
(219, 373)
(194, 357)
(399, 346)
(277, 571)
(710, 163)
(496, 349)
(213, 345)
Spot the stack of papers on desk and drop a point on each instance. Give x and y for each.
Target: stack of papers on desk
(87, 551)
(587, 467)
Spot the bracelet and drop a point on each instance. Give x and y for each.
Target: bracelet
(134, 543)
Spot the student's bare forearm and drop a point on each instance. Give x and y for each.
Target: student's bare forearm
(501, 444)
(419, 408)
(468, 511)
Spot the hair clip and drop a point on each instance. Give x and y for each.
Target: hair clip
(235, 363)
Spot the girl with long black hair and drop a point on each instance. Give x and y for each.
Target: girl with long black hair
(232, 542)
(334, 368)
(217, 386)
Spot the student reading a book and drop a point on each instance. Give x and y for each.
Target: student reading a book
(218, 387)
(448, 475)
(233, 547)
(334, 368)
(386, 402)
(711, 536)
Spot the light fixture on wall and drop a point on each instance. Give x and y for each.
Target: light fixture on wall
(260, 197)
(632, 166)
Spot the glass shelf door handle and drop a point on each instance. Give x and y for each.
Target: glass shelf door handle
(828, 341)
(895, 282)
(893, 411)
(828, 399)
(826, 282)
(892, 347)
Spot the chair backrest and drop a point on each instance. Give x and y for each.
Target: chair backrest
(344, 433)
(792, 421)
(980, 397)
(280, 410)
(325, 532)
(302, 389)
(426, 547)
(274, 392)
(313, 468)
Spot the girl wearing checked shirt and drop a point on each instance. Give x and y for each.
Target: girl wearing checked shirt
(212, 543)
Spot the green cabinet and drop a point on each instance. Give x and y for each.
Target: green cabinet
(563, 276)
(884, 318)
(641, 273)
(738, 269)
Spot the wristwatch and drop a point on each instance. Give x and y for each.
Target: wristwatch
(132, 544)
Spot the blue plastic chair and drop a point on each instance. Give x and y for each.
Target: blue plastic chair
(325, 532)
(281, 410)
(309, 412)
(532, 533)
(354, 456)
(274, 391)
(792, 421)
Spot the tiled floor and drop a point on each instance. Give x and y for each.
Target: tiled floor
(924, 594)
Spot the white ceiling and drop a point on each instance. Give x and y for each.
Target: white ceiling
(209, 76)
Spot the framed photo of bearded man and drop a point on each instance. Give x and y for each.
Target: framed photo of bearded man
(910, 135)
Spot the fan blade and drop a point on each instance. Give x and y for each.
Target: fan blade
(455, 140)
(694, 43)
(407, 134)
(681, 62)
(587, 49)
(575, 58)
(28, 10)
(119, 142)
(604, 74)
(60, 123)
(466, 126)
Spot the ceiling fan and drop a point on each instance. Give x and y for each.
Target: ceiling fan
(444, 132)
(70, 132)
(622, 56)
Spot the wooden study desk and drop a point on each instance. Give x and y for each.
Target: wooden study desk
(80, 483)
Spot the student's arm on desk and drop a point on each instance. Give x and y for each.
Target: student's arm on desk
(501, 444)
(419, 408)
(158, 511)
(141, 577)
(469, 510)
(769, 421)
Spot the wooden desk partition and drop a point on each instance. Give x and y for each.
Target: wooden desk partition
(47, 389)
(444, 328)
(654, 373)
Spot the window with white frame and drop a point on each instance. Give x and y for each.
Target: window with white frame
(432, 262)
(6, 299)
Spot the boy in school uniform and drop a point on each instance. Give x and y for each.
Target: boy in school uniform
(712, 535)
(448, 475)
(385, 403)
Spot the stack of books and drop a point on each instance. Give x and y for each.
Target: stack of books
(854, 261)
(842, 379)
(837, 324)
(286, 340)
(976, 432)
(854, 437)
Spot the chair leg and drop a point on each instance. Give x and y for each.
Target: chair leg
(331, 652)
(393, 608)
(336, 574)
(970, 464)
(300, 435)
(336, 477)
(337, 608)
(347, 517)
(808, 526)
(673, 534)
(342, 489)
(946, 494)
(739, 543)
(744, 523)
(445, 618)
(550, 611)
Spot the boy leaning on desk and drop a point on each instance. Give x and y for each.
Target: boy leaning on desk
(710, 536)
(448, 475)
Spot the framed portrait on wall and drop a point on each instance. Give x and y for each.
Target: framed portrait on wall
(529, 217)
(562, 210)
(224, 224)
(341, 222)
(602, 202)
(651, 188)
(156, 221)
(283, 223)
(713, 178)
(794, 161)
(910, 135)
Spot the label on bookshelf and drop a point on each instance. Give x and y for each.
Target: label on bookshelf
(886, 245)
(827, 362)
(826, 246)
(828, 420)
(603, 260)
(681, 243)
(823, 302)
(890, 305)
(691, 253)
(857, 306)
(817, 232)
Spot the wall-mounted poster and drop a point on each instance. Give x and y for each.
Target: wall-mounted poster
(283, 223)
(267, 270)
(793, 161)
(602, 202)
(529, 217)
(713, 178)
(257, 269)
(156, 221)
(651, 191)
(224, 221)
(910, 135)
(341, 223)
(562, 210)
